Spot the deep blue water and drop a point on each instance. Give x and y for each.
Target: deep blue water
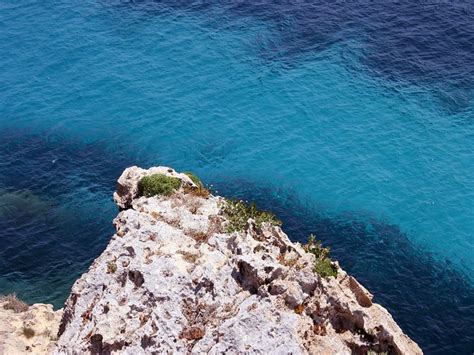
(351, 121)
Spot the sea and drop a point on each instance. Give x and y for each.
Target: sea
(350, 120)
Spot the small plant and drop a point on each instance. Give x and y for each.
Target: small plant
(299, 309)
(323, 265)
(158, 184)
(11, 302)
(200, 237)
(289, 262)
(199, 190)
(28, 332)
(189, 257)
(194, 178)
(111, 267)
(192, 333)
(325, 268)
(238, 213)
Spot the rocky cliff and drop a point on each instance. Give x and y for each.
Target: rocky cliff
(182, 275)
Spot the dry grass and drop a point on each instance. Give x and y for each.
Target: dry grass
(199, 191)
(198, 314)
(299, 309)
(28, 332)
(319, 329)
(288, 262)
(189, 257)
(11, 302)
(229, 310)
(111, 267)
(198, 236)
(215, 225)
(192, 333)
(173, 221)
(148, 254)
(155, 215)
(252, 307)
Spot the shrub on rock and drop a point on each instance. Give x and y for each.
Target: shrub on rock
(323, 266)
(199, 190)
(238, 213)
(158, 184)
(194, 179)
(11, 302)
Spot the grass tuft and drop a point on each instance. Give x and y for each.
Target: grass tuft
(111, 267)
(158, 184)
(194, 178)
(28, 332)
(323, 266)
(11, 302)
(199, 190)
(238, 213)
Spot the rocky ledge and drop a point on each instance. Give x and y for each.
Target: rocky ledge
(27, 329)
(181, 276)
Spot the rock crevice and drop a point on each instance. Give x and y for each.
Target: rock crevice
(178, 283)
(172, 280)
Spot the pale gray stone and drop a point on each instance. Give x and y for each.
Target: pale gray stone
(172, 281)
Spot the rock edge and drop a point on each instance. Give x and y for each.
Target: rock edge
(172, 280)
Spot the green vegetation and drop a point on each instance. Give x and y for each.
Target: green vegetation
(158, 184)
(323, 265)
(325, 268)
(199, 190)
(194, 178)
(238, 213)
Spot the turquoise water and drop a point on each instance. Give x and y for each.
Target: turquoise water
(88, 88)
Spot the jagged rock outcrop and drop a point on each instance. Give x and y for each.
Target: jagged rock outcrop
(27, 329)
(172, 280)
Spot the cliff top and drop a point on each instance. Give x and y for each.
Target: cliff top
(190, 272)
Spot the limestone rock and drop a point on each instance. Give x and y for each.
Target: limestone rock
(32, 330)
(171, 280)
(127, 184)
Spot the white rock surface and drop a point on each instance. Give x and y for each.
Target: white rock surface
(172, 281)
(30, 331)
